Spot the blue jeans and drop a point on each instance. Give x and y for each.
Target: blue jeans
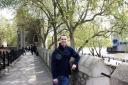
(63, 80)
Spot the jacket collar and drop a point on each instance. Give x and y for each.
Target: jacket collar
(61, 47)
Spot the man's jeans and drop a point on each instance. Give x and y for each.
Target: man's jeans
(63, 80)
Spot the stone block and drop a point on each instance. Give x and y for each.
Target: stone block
(121, 73)
(93, 66)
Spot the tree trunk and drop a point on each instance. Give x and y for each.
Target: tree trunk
(54, 24)
(44, 46)
(55, 37)
(72, 40)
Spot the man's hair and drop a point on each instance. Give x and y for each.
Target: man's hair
(62, 35)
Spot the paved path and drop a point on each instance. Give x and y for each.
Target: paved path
(29, 70)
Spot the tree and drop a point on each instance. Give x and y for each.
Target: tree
(86, 31)
(7, 32)
(52, 15)
(75, 13)
(50, 12)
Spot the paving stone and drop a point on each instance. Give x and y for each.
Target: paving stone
(29, 70)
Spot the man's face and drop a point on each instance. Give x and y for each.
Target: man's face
(63, 40)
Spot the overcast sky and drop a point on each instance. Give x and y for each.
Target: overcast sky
(10, 13)
(7, 13)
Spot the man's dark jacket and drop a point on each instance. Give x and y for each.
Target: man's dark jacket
(60, 63)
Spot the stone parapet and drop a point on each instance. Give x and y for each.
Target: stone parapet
(93, 70)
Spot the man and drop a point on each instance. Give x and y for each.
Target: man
(60, 63)
(32, 49)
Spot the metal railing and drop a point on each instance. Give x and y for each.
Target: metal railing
(8, 56)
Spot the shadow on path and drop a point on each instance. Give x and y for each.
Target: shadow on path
(29, 70)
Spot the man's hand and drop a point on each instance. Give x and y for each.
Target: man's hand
(55, 81)
(73, 67)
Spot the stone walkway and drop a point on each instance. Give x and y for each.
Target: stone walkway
(28, 70)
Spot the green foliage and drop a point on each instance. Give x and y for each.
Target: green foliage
(23, 18)
(73, 14)
(121, 24)
(9, 3)
(8, 32)
(88, 30)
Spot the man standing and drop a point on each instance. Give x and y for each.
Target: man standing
(32, 49)
(60, 63)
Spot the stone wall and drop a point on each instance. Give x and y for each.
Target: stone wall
(90, 69)
(46, 56)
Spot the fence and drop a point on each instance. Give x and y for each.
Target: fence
(7, 56)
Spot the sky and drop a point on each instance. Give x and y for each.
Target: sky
(7, 13)
(10, 13)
